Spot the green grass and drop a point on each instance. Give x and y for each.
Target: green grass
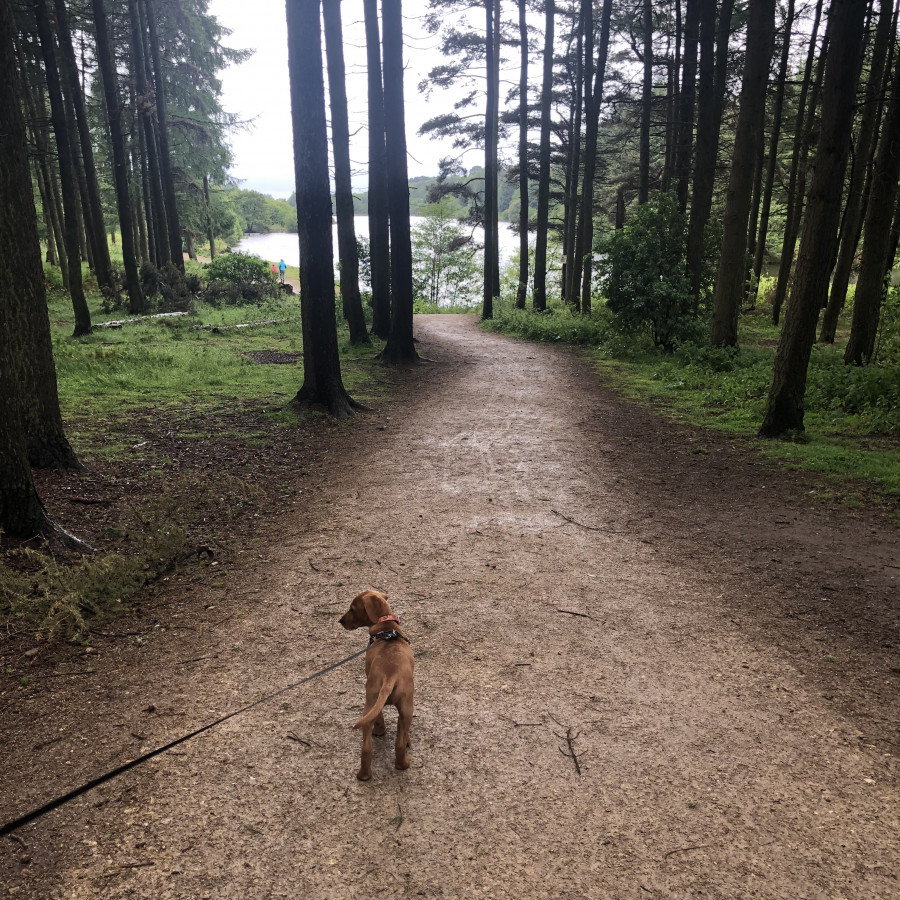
(853, 414)
(170, 363)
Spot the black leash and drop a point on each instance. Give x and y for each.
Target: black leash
(15, 824)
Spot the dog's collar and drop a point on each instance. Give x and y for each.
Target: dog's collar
(388, 619)
(387, 636)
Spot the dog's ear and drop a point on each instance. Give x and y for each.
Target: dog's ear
(375, 605)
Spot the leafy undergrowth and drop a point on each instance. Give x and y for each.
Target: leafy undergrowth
(189, 441)
(853, 414)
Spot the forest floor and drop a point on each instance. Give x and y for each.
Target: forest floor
(649, 665)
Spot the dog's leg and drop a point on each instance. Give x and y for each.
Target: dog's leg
(405, 710)
(379, 728)
(365, 764)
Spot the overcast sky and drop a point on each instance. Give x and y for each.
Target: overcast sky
(258, 91)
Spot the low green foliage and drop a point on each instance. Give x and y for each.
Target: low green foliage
(642, 274)
(238, 279)
(60, 600)
(852, 417)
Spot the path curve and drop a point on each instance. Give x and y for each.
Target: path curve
(576, 580)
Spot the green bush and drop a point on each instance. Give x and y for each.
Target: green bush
(642, 274)
(555, 325)
(238, 279)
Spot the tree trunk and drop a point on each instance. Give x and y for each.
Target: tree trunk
(379, 226)
(707, 147)
(863, 157)
(495, 223)
(620, 208)
(686, 102)
(21, 285)
(777, 112)
(784, 409)
(207, 207)
(144, 102)
(33, 100)
(165, 157)
(877, 253)
(491, 124)
(539, 291)
(348, 255)
(522, 289)
(322, 384)
(797, 179)
(400, 347)
(59, 222)
(142, 166)
(102, 263)
(584, 62)
(646, 106)
(66, 172)
(136, 302)
(748, 137)
(750, 253)
(586, 229)
(52, 257)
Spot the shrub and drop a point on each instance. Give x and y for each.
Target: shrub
(642, 274)
(169, 288)
(238, 279)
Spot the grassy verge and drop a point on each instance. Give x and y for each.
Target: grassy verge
(189, 440)
(852, 432)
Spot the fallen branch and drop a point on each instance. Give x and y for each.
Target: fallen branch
(685, 849)
(572, 612)
(582, 525)
(118, 323)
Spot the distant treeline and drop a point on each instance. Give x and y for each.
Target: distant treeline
(260, 213)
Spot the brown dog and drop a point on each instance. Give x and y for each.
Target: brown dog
(389, 675)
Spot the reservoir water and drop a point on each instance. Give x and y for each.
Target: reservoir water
(281, 245)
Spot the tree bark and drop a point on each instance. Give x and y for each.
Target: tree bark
(522, 288)
(586, 225)
(207, 206)
(877, 253)
(784, 408)
(748, 137)
(754, 217)
(495, 223)
(584, 63)
(21, 274)
(379, 226)
(165, 157)
(646, 106)
(777, 114)
(144, 102)
(863, 157)
(491, 124)
(539, 290)
(136, 302)
(686, 102)
(322, 384)
(797, 177)
(102, 263)
(707, 145)
(343, 191)
(66, 172)
(400, 347)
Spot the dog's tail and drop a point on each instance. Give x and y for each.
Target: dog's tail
(385, 692)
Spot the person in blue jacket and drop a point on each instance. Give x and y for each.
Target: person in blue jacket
(281, 268)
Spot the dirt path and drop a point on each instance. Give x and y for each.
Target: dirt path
(721, 652)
